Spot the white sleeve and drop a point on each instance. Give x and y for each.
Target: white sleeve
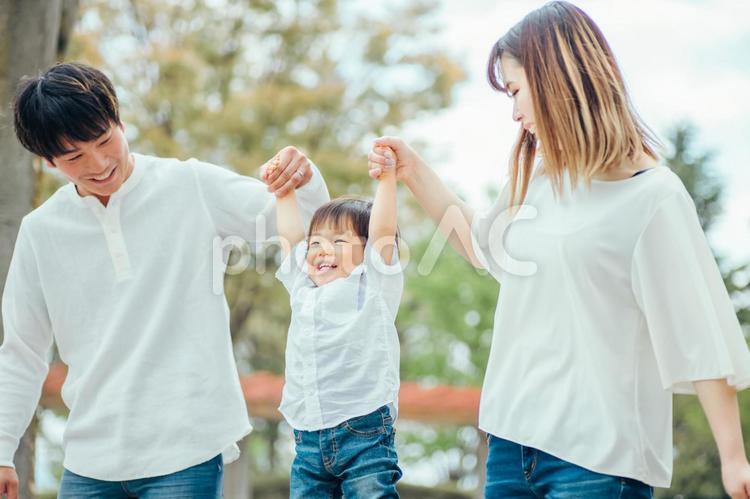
(488, 230)
(692, 324)
(242, 206)
(292, 267)
(25, 349)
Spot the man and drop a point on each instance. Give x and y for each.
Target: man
(116, 267)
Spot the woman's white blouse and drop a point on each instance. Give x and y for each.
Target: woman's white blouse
(342, 353)
(611, 301)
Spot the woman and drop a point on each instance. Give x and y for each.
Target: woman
(611, 298)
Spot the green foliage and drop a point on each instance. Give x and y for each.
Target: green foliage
(445, 319)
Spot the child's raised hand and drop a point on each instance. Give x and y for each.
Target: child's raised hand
(270, 170)
(389, 156)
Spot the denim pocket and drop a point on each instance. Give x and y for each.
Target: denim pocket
(368, 425)
(385, 411)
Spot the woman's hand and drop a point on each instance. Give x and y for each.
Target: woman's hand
(719, 402)
(8, 482)
(381, 158)
(735, 475)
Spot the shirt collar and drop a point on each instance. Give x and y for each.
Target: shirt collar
(130, 183)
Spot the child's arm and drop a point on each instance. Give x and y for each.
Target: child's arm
(383, 226)
(288, 218)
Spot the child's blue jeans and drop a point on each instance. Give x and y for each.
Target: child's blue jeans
(356, 459)
(515, 471)
(202, 481)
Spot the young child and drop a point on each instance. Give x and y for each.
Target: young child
(342, 354)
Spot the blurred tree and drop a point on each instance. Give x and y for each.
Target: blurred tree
(697, 469)
(36, 33)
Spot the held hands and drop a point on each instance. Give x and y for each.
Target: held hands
(8, 483)
(286, 171)
(392, 153)
(385, 173)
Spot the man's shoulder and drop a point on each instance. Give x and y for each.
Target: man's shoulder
(59, 201)
(158, 164)
(170, 168)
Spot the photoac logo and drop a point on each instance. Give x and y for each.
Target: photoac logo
(232, 255)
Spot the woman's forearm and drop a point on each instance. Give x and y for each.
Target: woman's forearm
(719, 402)
(452, 216)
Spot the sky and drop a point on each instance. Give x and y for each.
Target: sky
(683, 60)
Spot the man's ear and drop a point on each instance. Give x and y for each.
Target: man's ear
(50, 162)
(122, 126)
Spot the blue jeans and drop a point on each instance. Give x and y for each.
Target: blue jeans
(202, 481)
(356, 459)
(515, 471)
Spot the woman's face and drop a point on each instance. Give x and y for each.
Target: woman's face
(514, 78)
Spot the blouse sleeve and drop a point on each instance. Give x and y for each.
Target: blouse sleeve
(488, 230)
(691, 321)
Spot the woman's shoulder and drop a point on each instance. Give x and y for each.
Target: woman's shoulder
(660, 183)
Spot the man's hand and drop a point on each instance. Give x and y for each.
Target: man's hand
(287, 170)
(8, 483)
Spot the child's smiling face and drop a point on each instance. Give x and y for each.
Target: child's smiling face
(333, 252)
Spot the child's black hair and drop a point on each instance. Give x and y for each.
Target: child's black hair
(344, 213)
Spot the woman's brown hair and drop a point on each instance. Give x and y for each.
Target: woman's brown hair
(585, 122)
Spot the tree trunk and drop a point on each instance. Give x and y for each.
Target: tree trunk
(30, 42)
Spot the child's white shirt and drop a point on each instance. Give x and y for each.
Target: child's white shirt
(342, 353)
